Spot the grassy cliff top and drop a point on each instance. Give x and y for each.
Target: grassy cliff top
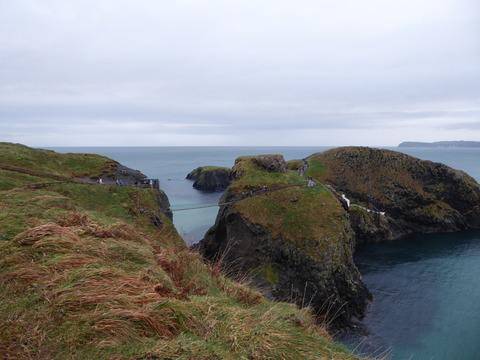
(297, 214)
(213, 168)
(377, 174)
(97, 272)
(255, 172)
(52, 163)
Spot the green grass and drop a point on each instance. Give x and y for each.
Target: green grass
(250, 177)
(50, 162)
(297, 214)
(12, 179)
(315, 167)
(203, 169)
(310, 218)
(212, 168)
(294, 164)
(376, 176)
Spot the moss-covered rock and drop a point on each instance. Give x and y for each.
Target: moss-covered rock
(210, 178)
(294, 241)
(270, 163)
(417, 196)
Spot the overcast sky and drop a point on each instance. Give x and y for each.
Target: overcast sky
(228, 72)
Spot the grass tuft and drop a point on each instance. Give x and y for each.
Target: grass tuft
(48, 235)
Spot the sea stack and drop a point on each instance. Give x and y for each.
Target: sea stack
(210, 178)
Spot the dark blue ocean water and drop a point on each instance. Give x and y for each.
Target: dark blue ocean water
(426, 288)
(426, 296)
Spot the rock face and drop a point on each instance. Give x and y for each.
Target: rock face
(294, 241)
(210, 178)
(271, 163)
(417, 196)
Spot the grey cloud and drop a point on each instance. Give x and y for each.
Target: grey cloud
(473, 126)
(232, 68)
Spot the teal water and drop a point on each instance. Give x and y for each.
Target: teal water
(426, 288)
(426, 296)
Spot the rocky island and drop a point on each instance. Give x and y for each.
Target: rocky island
(210, 178)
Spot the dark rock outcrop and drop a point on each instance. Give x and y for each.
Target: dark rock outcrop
(271, 163)
(210, 178)
(127, 175)
(164, 203)
(295, 242)
(417, 196)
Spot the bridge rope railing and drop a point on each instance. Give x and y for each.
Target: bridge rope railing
(243, 196)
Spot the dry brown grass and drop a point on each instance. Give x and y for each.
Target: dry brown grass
(103, 286)
(244, 294)
(48, 234)
(118, 230)
(147, 321)
(21, 277)
(183, 267)
(73, 219)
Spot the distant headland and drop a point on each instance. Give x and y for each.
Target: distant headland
(442, 144)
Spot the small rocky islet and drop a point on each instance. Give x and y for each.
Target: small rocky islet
(210, 178)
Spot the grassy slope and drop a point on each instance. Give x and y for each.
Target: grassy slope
(85, 275)
(48, 162)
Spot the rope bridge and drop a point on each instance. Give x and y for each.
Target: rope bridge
(246, 195)
(204, 206)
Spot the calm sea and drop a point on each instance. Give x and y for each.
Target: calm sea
(426, 288)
